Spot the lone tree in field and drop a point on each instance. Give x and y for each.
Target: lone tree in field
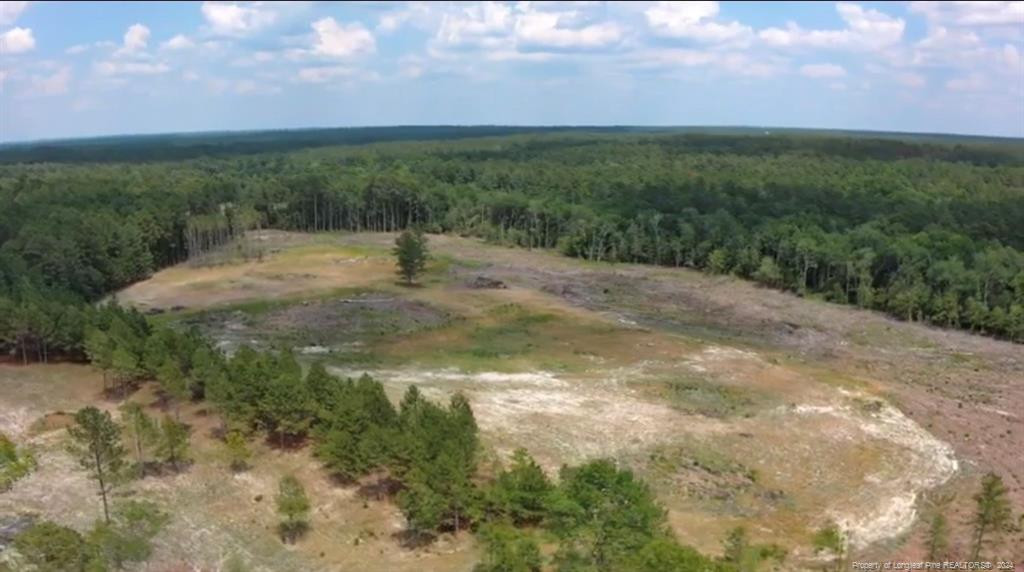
(96, 443)
(992, 516)
(411, 251)
(293, 506)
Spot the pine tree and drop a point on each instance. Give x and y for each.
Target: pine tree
(173, 443)
(518, 494)
(938, 538)
(411, 252)
(238, 452)
(293, 506)
(173, 383)
(96, 443)
(140, 429)
(992, 515)
(508, 550)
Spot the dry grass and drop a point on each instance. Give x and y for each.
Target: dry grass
(774, 426)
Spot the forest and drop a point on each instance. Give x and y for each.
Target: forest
(924, 231)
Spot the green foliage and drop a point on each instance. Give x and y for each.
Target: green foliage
(857, 220)
(96, 444)
(127, 538)
(14, 464)
(519, 493)
(49, 547)
(743, 556)
(53, 548)
(173, 443)
(938, 538)
(507, 549)
(602, 516)
(293, 506)
(666, 555)
(141, 431)
(411, 252)
(286, 406)
(832, 541)
(992, 514)
(435, 456)
(237, 450)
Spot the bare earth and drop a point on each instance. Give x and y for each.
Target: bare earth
(741, 405)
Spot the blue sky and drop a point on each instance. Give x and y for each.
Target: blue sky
(80, 69)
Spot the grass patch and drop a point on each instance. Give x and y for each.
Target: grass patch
(702, 397)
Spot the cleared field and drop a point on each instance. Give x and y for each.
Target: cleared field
(740, 405)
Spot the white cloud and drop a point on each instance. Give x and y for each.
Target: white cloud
(419, 14)
(10, 10)
(341, 40)
(238, 19)
(190, 76)
(483, 24)
(694, 21)
(731, 63)
(971, 13)
(546, 29)
(115, 68)
(822, 71)
(76, 49)
(54, 84)
(178, 42)
(324, 74)
(136, 37)
(135, 40)
(17, 41)
(865, 30)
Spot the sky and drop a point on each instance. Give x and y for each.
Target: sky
(84, 69)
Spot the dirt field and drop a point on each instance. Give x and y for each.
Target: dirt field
(741, 405)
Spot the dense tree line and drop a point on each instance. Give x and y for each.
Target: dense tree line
(924, 231)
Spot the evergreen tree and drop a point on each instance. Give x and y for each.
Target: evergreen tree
(602, 516)
(140, 429)
(293, 506)
(49, 547)
(238, 452)
(173, 444)
(508, 550)
(14, 464)
(99, 350)
(938, 538)
(127, 538)
(286, 408)
(96, 444)
(992, 514)
(519, 493)
(173, 383)
(411, 252)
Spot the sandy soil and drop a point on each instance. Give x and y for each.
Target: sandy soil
(843, 414)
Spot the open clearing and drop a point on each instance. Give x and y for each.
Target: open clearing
(740, 405)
